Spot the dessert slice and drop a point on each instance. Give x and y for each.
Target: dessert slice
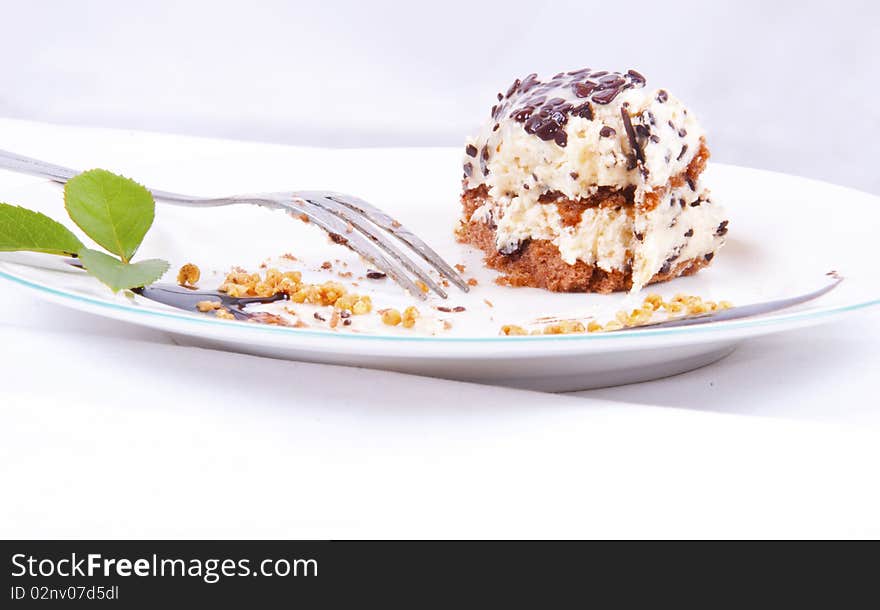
(589, 182)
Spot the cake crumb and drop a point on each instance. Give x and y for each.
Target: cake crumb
(459, 267)
(265, 317)
(472, 281)
(488, 302)
(513, 329)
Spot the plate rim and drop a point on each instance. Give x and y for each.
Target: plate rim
(598, 338)
(186, 317)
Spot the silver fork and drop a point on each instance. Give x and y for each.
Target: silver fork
(348, 220)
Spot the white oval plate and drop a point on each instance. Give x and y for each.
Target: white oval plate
(785, 234)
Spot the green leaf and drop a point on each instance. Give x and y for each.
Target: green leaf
(121, 276)
(23, 229)
(114, 211)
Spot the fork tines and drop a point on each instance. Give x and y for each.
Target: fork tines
(364, 228)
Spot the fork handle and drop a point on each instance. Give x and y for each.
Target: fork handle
(60, 174)
(26, 165)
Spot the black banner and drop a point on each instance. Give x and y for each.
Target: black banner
(239, 574)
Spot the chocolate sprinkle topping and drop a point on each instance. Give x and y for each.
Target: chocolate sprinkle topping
(681, 154)
(471, 150)
(722, 229)
(607, 132)
(585, 111)
(689, 233)
(631, 134)
(484, 156)
(584, 89)
(709, 256)
(636, 76)
(376, 275)
(662, 96)
(533, 103)
(513, 247)
(468, 170)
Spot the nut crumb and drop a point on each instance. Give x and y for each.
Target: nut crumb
(224, 314)
(189, 275)
(690, 305)
(391, 317)
(410, 314)
(565, 327)
(488, 302)
(205, 306)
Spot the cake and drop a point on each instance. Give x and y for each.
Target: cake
(589, 182)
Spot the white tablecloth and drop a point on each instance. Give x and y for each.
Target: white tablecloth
(111, 430)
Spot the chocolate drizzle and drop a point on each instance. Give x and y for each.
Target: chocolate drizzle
(533, 103)
(631, 134)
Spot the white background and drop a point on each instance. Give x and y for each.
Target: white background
(110, 430)
(785, 85)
